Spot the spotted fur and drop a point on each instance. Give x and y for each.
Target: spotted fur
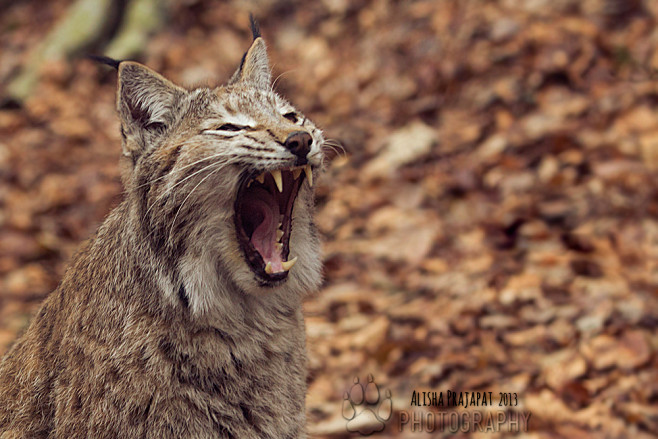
(159, 329)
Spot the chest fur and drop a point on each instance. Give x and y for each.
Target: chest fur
(173, 381)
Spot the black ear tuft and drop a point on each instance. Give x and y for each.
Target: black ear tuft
(105, 60)
(255, 29)
(254, 67)
(244, 57)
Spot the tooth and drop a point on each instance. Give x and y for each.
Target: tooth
(278, 246)
(249, 184)
(268, 268)
(296, 173)
(279, 234)
(287, 265)
(309, 174)
(276, 174)
(261, 178)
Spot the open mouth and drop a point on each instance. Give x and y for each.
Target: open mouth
(263, 220)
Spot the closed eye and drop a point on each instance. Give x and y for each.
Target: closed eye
(231, 127)
(292, 117)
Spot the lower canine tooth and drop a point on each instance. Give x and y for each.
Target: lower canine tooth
(287, 265)
(268, 268)
(296, 173)
(261, 178)
(309, 174)
(279, 234)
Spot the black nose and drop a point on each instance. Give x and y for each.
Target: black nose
(299, 143)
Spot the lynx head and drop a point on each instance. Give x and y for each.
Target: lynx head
(221, 179)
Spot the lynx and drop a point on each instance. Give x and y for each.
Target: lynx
(181, 317)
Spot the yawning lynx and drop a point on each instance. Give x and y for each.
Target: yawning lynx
(181, 317)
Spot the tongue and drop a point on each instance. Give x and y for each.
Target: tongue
(259, 203)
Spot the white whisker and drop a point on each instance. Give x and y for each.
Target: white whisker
(184, 167)
(169, 190)
(188, 196)
(277, 78)
(335, 146)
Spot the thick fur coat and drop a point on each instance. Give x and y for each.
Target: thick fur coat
(160, 328)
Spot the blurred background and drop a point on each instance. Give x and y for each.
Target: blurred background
(491, 226)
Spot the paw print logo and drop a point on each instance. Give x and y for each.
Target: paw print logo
(365, 411)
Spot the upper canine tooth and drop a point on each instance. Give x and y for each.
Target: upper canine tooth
(261, 178)
(276, 174)
(296, 173)
(309, 174)
(287, 265)
(279, 234)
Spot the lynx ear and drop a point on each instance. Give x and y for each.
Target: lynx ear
(146, 103)
(255, 67)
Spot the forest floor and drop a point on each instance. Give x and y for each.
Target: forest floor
(491, 227)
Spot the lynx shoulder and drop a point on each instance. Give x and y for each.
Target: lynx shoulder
(181, 317)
